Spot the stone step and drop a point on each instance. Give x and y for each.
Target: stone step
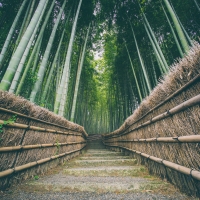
(91, 184)
(94, 136)
(93, 139)
(101, 168)
(98, 150)
(105, 161)
(94, 154)
(95, 145)
(104, 158)
(105, 171)
(97, 172)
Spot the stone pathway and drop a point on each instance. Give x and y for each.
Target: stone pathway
(97, 174)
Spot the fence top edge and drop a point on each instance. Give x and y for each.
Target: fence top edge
(194, 100)
(42, 121)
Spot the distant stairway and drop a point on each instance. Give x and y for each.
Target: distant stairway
(95, 142)
(94, 137)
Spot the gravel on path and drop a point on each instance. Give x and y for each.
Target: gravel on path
(124, 183)
(89, 196)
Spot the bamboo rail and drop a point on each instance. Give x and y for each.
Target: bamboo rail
(35, 119)
(191, 102)
(167, 99)
(176, 139)
(35, 163)
(184, 170)
(35, 128)
(36, 146)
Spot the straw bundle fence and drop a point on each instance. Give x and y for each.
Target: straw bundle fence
(164, 131)
(33, 139)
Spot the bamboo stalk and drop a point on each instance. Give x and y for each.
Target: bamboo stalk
(6, 172)
(176, 167)
(145, 155)
(195, 173)
(35, 128)
(16, 148)
(151, 139)
(32, 164)
(22, 147)
(43, 161)
(26, 166)
(28, 117)
(184, 170)
(182, 139)
(189, 103)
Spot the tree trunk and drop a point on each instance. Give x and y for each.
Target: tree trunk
(177, 26)
(155, 43)
(197, 5)
(14, 62)
(161, 66)
(21, 83)
(63, 87)
(43, 65)
(54, 64)
(22, 26)
(134, 74)
(25, 54)
(184, 31)
(174, 35)
(141, 62)
(78, 76)
(12, 29)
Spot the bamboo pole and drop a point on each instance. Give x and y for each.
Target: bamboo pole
(189, 103)
(175, 139)
(26, 166)
(179, 168)
(35, 128)
(32, 164)
(16, 148)
(38, 120)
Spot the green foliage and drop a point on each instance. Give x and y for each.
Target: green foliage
(57, 147)
(11, 120)
(29, 82)
(107, 92)
(45, 104)
(36, 177)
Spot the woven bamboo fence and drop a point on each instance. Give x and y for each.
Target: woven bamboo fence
(164, 132)
(33, 140)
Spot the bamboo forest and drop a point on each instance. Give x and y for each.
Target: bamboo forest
(93, 61)
(99, 99)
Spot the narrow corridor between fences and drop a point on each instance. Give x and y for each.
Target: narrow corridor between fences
(97, 173)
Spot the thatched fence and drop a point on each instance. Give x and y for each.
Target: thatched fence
(33, 139)
(164, 132)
